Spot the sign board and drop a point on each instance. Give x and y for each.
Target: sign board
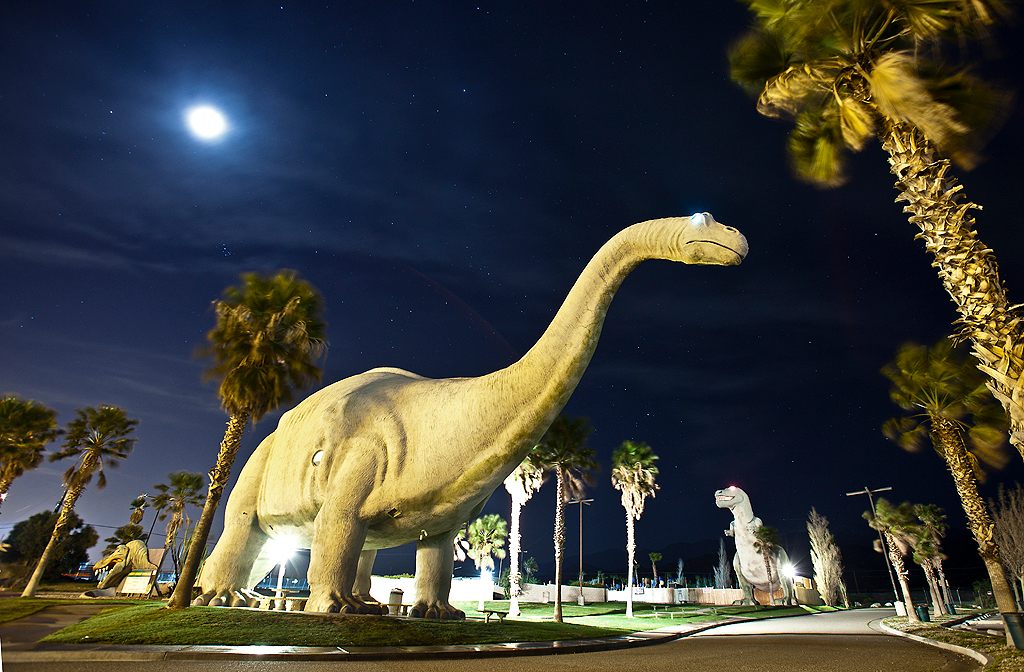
(138, 582)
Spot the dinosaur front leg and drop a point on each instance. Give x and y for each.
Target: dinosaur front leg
(435, 558)
(227, 571)
(338, 537)
(364, 572)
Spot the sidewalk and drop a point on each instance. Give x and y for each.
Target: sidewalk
(20, 644)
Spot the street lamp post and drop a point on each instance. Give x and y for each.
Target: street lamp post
(885, 548)
(581, 503)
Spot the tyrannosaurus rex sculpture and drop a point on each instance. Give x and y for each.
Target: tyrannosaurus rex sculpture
(748, 562)
(388, 457)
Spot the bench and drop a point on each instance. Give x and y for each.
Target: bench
(494, 612)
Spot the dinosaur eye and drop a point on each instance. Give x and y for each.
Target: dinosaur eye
(318, 457)
(697, 219)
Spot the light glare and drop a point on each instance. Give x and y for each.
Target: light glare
(205, 122)
(697, 219)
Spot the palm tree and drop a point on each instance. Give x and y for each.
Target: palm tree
(846, 70)
(933, 524)
(26, 427)
(486, 540)
(182, 490)
(654, 557)
(633, 474)
(138, 510)
(265, 345)
(123, 535)
(766, 540)
(563, 451)
(895, 523)
(520, 484)
(100, 437)
(951, 406)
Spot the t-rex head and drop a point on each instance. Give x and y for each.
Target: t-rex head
(730, 498)
(699, 239)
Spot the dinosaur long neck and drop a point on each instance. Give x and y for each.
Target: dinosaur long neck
(533, 390)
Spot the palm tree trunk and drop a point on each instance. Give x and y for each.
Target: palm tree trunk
(559, 538)
(933, 588)
(768, 568)
(940, 571)
(901, 574)
(515, 586)
(949, 438)
(631, 552)
(966, 267)
(67, 506)
(219, 476)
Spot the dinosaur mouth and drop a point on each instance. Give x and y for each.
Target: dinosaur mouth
(740, 255)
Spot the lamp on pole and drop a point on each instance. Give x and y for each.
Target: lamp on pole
(581, 503)
(885, 548)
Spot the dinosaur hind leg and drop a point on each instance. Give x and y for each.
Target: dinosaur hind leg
(435, 558)
(364, 572)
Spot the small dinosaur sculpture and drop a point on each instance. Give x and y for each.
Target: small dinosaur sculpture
(388, 457)
(121, 561)
(748, 561)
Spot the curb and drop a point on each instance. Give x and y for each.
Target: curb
(954, 648)
(144, 653)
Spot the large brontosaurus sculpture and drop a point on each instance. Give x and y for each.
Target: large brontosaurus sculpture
(748, 561)
(388, 457)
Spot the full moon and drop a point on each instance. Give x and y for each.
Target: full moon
(206, 122)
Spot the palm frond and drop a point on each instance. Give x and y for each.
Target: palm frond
(902, 95)
(816, 149)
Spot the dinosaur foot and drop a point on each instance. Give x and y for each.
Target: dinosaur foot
(382, 609)
(335, 603)
(221, 598)
(440, 610)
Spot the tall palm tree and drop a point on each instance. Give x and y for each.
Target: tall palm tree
(947, 402)
(896, 524)
(265, 345)
(26, 427)
(486, 538)
(847, 70)
(633, 474)
(766, 540)
(99, 437)
(525, 480)
(563, 451)
(182, 490)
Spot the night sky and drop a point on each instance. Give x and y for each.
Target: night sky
(442, 173)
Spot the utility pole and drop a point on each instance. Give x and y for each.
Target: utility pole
(581, 503)
(885, 547)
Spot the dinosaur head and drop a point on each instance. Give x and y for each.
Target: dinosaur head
(700, 239)
(119, 554)
(730, 498)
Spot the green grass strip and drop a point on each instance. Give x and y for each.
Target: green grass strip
(152, 624)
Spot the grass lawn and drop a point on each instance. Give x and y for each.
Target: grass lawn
(13, 608)
(1004, 659)
(150, 624)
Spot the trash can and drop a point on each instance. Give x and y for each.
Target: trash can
(922, 612)
(1014, 621)
(395, 601)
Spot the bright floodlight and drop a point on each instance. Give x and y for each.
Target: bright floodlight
(281, 549)
(205, 122)
(697, 219)
(789, 571)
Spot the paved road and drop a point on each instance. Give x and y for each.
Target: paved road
(840, 642)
